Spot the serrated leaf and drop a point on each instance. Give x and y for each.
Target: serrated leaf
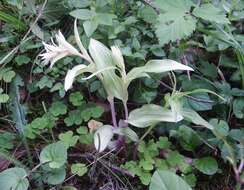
(79, 169)
(7, 74)
(54, 154)
(178, 28)
(167, 180)
(58, 108)
(175, 22)
(22, 59)
(68, 139)
(211, 13)
(176, 5)
(76, 99)
(4, 98)
(14, 178)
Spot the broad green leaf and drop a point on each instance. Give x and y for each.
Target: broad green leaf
(189, 139)
(148, 14)
(155, 66)
(220, 126)
(105, 18)
(54, 154)
(200, 102)
(206, 165)
(79, 169)
(194, 117)
(175, 22)
(102, 137)
(237, 134)
(83, 14)
(90, 26)
(167, 180)
(56, 176)
(211, 13)
(14, 178)
(151, 114)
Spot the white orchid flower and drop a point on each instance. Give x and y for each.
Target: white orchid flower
(55, 52)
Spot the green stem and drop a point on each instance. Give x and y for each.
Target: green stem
(146, 133)
(240, 58)
(10, 158)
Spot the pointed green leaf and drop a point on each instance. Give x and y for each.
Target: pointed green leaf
(155, 66)
(167, 180)
(211, 13)
(151, 114)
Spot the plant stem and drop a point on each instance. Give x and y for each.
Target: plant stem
(126, 110)
(146, 133)
(240, 58)
(12, 159)
(113, 113)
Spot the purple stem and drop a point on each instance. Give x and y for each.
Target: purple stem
(113, 113)
(126, 112)
(241, 166)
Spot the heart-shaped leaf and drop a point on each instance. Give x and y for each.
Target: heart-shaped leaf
(14, 178)
(54, 154)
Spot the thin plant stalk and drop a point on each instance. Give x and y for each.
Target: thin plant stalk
(240, 58)
(113, 113)
(126, 110)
